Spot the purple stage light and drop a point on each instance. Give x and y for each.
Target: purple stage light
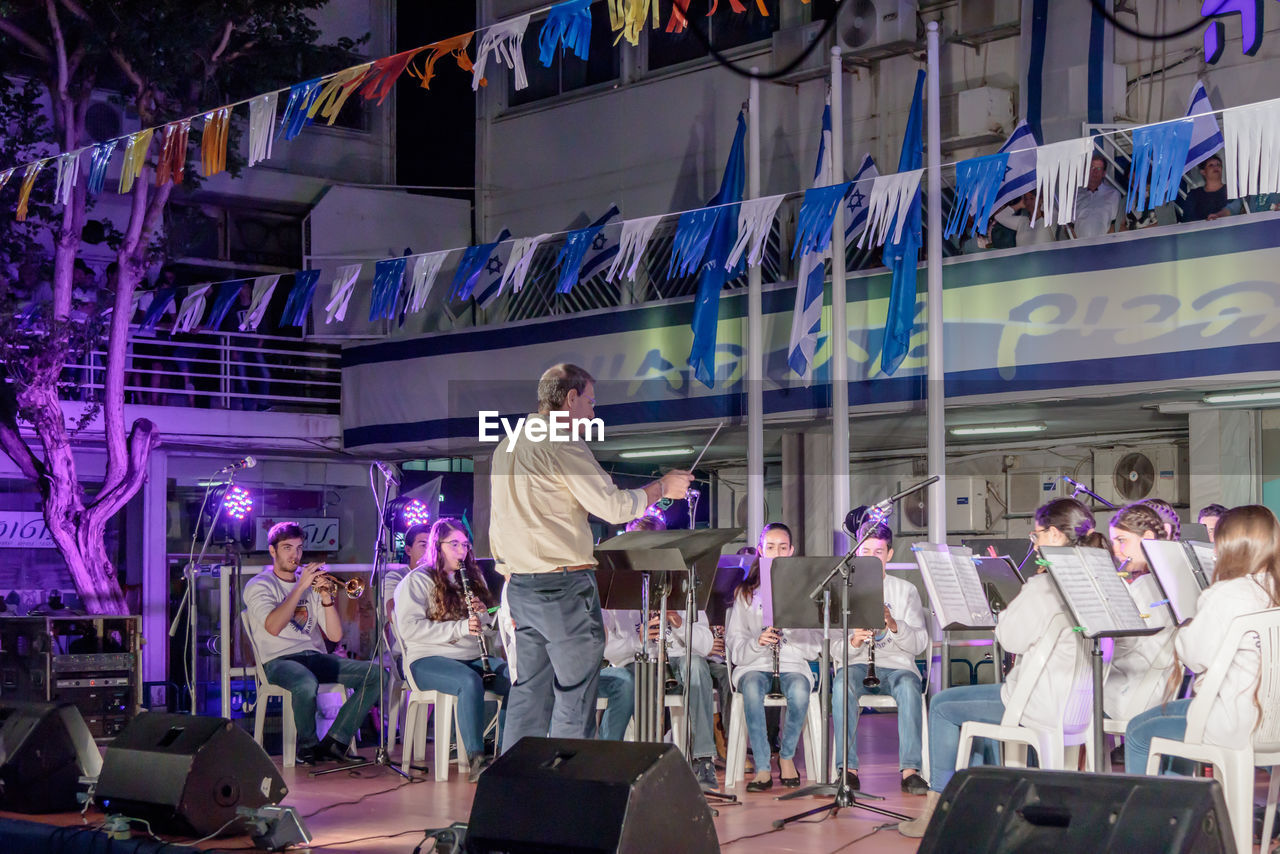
(237, 503)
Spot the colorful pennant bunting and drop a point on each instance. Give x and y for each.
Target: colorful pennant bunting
(755, 221)
(627, 17)
(425, 270)
(978, 182)
(1159, 159)
(570, 260)
(191, 310)
(518, 264)
(635, 237)
(98, 164)
(263, 288)
(504, 41)
(693, 232)
(1061, 169)
(568, 22)
(297, 110)
(262, 122)
(68, 173)
(304, 290)
(173, 152)
(213, 141)
(222, 302)
(160, 302)
(388, 278)
(1252, 149)
(24, 190)
(474, 261)
(817, 213)
(455, 47)
(135, 157)
(891, 200)
(6, 175)
(344, 285)
(384, 74)
(335, 92)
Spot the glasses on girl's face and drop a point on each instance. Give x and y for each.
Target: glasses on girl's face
(457, 544)
(1037, 534)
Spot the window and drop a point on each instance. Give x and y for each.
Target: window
(567, 73)
(726, 29)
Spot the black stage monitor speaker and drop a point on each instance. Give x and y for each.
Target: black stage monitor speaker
(186, 774)
(1008, 810)
(44, 750)
(586, 797)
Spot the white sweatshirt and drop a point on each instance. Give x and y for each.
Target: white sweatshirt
(622, 637)
(424, 637)
(1067, 670)
(894, 650)
(1233, 715)
(742, 631)
(1134, 657)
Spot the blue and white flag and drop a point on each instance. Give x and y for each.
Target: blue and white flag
(1206, 136)
(855, 204)
(1020, 173)
(604, 246)
(489, 285)
(811, 276)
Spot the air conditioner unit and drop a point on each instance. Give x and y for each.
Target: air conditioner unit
(988, 20)
(106, 119)
(1029, 489)
(791, 42)
(874, 29)
(1123, 475)
(976, 116)
(966, 507)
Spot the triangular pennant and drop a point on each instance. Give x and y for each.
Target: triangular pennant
(517, 265)
(627, 18)
(160, 302)
(1252, 136)
(344, 285)
(474, 260)
(297, 110)
(304, 290)
(425, 269)
(677, 22)
(455, 47)
(1159, 159)
(568, 22)
(222, 301)
(817, 213)
(24, 190)
(755, 221)
(68, 173)
(891, 199)
(384, 74)
(173, 152)
(978, 182)
(1061, 169)
(693, 231)
(6, 175)
(98, 164)
(191, 310)
(504, 41)
(569, 261)
(262, 122)
(388, 277)
(135, 157)
(213, 141)
(263, 288)
(635, 237)
(335, 92)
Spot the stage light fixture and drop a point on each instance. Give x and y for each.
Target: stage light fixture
(228, 510)
(648, 453)
(1259, 396)
(403, 513)
(999, 429)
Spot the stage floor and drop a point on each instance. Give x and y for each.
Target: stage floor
(390, 815)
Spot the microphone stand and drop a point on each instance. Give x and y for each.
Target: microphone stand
(841, 792)
(381, 756)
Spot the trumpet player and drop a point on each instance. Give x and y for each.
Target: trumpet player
(292, 611)
(446, 634)
(896, 644)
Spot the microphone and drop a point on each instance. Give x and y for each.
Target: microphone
(246, 463)
(389, 471)
(1078, 487)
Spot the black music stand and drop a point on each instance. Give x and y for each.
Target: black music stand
(1001, 582)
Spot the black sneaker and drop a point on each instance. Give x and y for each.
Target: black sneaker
(478, 764)
(914, 784)
(705, 770)
(306, 755)
(330, 750)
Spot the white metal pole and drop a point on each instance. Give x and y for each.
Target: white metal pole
(936, 400)
(839, 326)
(755, 340)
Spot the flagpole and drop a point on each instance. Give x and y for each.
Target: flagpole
(936, 397)
(755, 337)
(839, 327)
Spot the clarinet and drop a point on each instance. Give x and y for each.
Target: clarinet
(775, 685)
(487, 675)
(872, 680)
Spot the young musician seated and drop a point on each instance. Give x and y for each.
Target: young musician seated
(617, 678)
(1246, 579)
(1061, 522)
(751, 647)
(905, 636)
(1209, 517)
(442, 633)
(415, 546)
(290, 620)
(1168, 517)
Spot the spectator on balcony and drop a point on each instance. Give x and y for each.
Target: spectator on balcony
(1016, 216)
(1209, 201)
(1097, 203)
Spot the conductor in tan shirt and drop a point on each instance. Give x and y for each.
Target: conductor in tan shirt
(542, 493)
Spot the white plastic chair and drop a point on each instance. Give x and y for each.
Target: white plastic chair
(1074, 721)
(1234, 766)
(886, 702)
(419, 702)
(266, 690)
(1147, 693)
(736, 738)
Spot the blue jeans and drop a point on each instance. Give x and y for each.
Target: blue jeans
(752, 687)
(559, 643)
(1164, 721)
(463, 679)
(905, 687)
(618, 686)
(947, 712)
(302, 674)
(701, 712)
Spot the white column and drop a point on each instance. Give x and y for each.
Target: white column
(755, 339)
(839, 328)
(155, 570)
(936, 400)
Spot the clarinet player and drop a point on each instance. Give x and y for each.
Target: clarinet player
(445, 631)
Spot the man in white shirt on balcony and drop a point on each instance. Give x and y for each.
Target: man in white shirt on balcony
(1097, 203)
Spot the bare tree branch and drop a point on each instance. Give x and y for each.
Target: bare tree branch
(11, 441)
(25, 39)
(222, 44)
(77, 10)
(143, 439)
(127, 69)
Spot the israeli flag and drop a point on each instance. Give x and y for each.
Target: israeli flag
(489, 286)
(1206, 136)
(856, 203)
(806, 318)
(604, 248)
(1020, 173)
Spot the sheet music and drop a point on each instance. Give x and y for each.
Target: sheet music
(947, 596)
(971, 587)
(1174, 569)
(1068, 570)
(1124, 611)
(1207, 558)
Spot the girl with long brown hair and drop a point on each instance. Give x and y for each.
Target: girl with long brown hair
(441, 631)
(1247, 579)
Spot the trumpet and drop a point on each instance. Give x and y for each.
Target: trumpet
(324, 583)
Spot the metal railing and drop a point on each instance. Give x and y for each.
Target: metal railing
(220, 370)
